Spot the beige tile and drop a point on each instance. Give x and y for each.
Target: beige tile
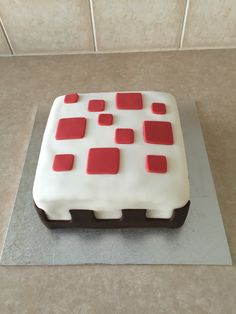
(4, 49)
(48, 26)
(211, 24)
(138, 25)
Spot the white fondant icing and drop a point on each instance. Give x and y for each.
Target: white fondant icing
(133, 187)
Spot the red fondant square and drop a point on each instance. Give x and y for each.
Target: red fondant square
(71, 98)
(156, 163)
(63, 162)
(103, 161)
(158, 108)
(70, 128)
(158, 132)
(105, 119)
(96, 105)
(124, 136)
(129, 101)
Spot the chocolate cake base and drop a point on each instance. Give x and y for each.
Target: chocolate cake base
(131, 218)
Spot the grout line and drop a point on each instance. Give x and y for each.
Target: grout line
(6, 36)
(184, 24)
(93, 25)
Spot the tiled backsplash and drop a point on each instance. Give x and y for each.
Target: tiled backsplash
(4, 48)
(138, 24)
(71, 26)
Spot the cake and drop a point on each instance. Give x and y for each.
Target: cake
(112, 160)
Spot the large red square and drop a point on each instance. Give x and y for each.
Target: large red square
(71, 98)
(96, 105)
(124, 136)
(103, 161)
(70, 128)
(158, 132)
(130, 101)
(63, 162)
(156, 163)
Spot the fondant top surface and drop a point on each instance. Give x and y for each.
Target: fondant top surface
(128, 184)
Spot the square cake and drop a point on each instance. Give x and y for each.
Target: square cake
(112, 160)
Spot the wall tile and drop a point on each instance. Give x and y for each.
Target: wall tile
(48, 26)
(4, 49)
(138, 24)
(211, 24)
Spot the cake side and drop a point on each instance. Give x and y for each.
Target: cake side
(57, 192)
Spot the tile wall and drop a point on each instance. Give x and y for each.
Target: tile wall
(4, 48)
(78, 26)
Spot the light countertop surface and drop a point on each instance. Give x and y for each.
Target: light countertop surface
(207, 77)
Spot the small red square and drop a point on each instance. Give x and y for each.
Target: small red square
(71, 98)
(129, 101)
(96, 105)
(105, 119)
(63, 162)
(156, 163)
(158, 108)
(124, 136)
(103, 161)
(70, 128)
(158, 132)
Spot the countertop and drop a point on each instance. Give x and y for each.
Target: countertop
(207, 77)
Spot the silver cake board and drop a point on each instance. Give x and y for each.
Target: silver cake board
(201, 240)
